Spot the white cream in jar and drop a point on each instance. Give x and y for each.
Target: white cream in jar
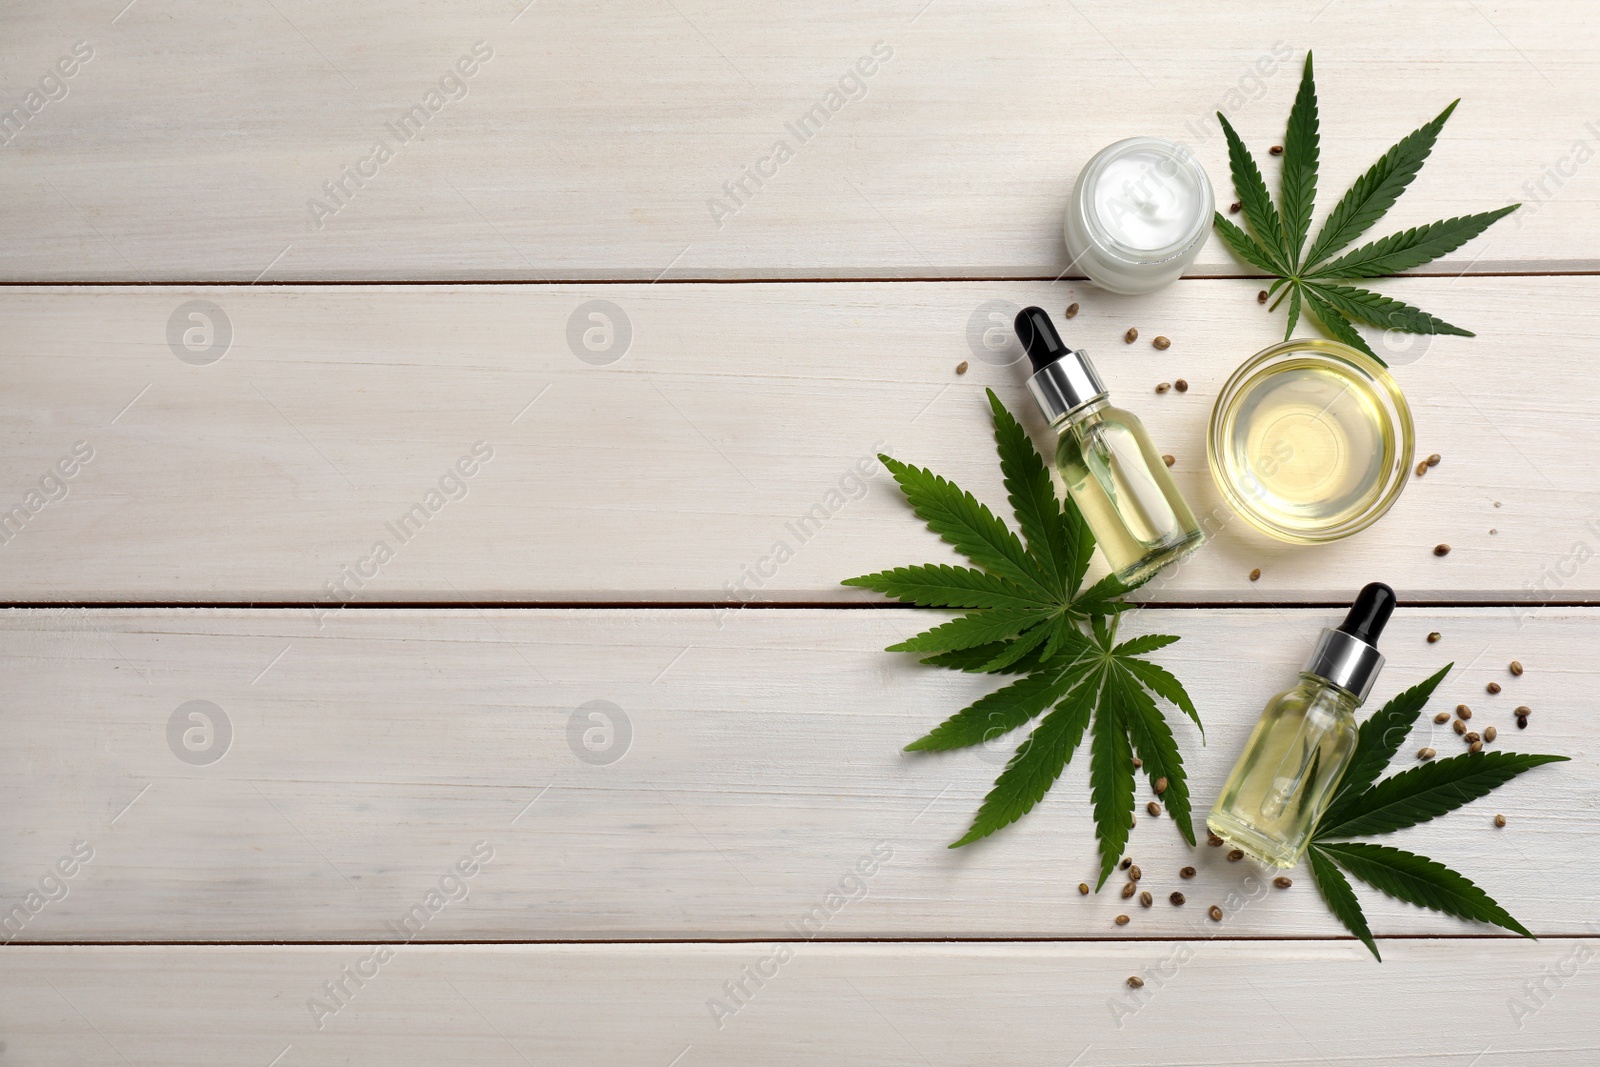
(1139, 215)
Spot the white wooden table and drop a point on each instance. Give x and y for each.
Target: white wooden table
(548, 682)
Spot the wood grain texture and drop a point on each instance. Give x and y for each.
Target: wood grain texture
(593, 142)
(735, 411)
(746, 763)
(1204, 1003)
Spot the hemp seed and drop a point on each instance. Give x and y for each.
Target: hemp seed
(1072, 309)
(1475, 747)
(1181, 386)
(1122, 920)
(1422, 468)
(1161, 344)
(961, 368)
(1235, 856)
(1132, 335)
(1135, 982)
(1163, 387)
(1135, 873)
(1523, 711)
(1213, 840)
(1459, 727)
(1470, 736)
(1433, 460)
(1153, 808)
(1255, 574)
(1161, 786)
(1083, 889)
(1441, 550)
(1215, 913)
(1261, 297)
(1177, 900)
(1276, 150)
(1129, 890)
(1522, 722)
(1499, 820)
(1516, 667)
(1463, 712)
(1433, 638)
(1235, 207)
(1168, 460)
(1490, 733)
(1283, 881)
(1493, 687)
(1442, 718)
(1187, 872)
(1145, 900)
(1426, 754)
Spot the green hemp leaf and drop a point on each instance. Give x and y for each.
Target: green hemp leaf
(1315, 281)
(1412, 796)
(1028, 613)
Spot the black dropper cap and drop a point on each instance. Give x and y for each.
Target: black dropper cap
(1038, 335)
(1348, 656)
(1063, 380)
(1370, 613)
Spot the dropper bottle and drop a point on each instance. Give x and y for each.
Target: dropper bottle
(1303, 743)
(1111, 468)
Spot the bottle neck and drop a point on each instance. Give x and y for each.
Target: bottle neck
(1079, 415)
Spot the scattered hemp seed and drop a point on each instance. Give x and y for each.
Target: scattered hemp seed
(1442, 718)
(1137, 763)
(1177, 900)
(1153, 808)
(1255, 574)
(1215, 913)
(1522, 722)
(1463, 712)
(1499, 820)
(1490, 733)
(1261, 297)
(1168, 459)
(1433, 460)
(1441, 550)
(961, 368)
(1187, 872)
(1213, 840)
(1276, 150)
(1132, 335)
(1181, 386)
(1072, 309)
(1522, 711)
(1433, 638)
(1135, 982)
(1129, 890)
(1283, 881)
(1134, 873)
(1083, 889)
(1127, 861)
(1493, 687)
(1163, 387)
(1145, 899)
(1459, 727)
(1475, 747)
(1422, 468)
(1122, 920)
(1516, 667)
(1426, 754)
(1235, 856)
(1161, 786)
(1234, 208)
(1470, 736)
(1161, 343)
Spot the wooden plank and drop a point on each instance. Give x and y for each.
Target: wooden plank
(1204, 1003)
(675, 472)
(648, 773)
(593, 140)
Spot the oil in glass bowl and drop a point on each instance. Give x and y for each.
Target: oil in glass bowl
(1310, 441)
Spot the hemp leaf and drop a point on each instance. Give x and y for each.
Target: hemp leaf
(1276, 238)
(1413, 796)
(1028, 613)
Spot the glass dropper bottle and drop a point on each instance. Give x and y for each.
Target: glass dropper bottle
(1304, 740)
(1111, 468)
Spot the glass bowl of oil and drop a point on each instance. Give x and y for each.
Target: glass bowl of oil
(1310, 441)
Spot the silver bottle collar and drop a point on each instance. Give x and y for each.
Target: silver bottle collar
(1348, 662)
(1066, 385)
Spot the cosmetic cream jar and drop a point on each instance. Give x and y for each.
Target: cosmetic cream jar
(1139, 215)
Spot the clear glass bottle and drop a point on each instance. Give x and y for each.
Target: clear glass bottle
(1302, 744)
(1112, 470)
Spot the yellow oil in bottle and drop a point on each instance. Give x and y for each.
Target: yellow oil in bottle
(1120, 482)
(1286, 777)
(1308, 442)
